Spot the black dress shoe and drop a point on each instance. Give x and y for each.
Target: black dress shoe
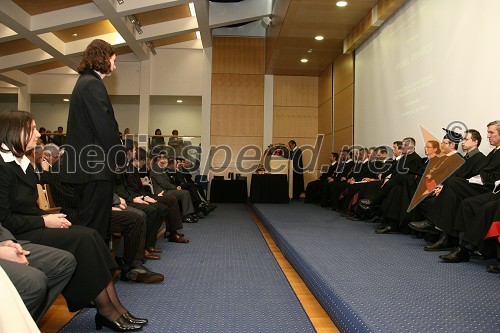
(423, 226)
(459, 254)
(206, 209)
(442, 244)
(386, 230)
(188, 219)
(493, 268)
(119, 325)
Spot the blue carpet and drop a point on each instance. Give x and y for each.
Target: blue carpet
(381, 283)
(225, 280)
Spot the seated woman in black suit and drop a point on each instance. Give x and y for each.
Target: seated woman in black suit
(20, 214)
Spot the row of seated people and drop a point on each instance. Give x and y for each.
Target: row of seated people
(136, 214)
(447, 194)
(44, 254)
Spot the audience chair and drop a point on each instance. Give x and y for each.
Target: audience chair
(45, 200)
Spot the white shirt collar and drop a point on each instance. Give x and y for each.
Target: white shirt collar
(9, 157)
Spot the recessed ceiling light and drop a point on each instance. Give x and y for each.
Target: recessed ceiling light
(310, 51)
(319, 37)
(65, 99)
(304, 60)
(341, 3)
(179, 101)
(74, 35)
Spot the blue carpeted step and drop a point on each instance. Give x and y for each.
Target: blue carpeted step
(225, 280)
(381, 283)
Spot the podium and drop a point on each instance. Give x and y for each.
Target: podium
(274, 186)
(280, 165)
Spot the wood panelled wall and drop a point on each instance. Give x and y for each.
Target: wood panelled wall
(343, 119)
(325, 113)
(237, 111)
(296, 113)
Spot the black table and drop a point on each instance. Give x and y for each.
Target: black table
(228, 191)
(269, 188)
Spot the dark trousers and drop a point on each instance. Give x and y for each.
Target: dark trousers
(94, 200)
(445, 209)
(155, 215)
(132, 226)
(474, 218)
(173, 214)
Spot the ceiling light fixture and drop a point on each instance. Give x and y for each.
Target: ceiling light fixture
(74, 35)
(151, 47)
(319, 37)
(120, 2)
(341, 3)
(310, 51)
(304, 60)
(179, 101)
(65, 99)
(136, 23)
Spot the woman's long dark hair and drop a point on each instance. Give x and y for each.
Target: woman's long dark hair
(13, 124)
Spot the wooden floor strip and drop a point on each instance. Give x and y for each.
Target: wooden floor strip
(318, 316)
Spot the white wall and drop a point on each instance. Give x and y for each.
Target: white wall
(184, 118)
(127, 115)
(177, 72)
(50, 116)
(434, 64)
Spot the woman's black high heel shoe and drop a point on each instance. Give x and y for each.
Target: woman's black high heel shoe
(119, 325)
(134, 320)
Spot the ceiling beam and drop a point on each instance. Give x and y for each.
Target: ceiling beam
(129, 7)
(16, 19)
(123, 27)
(222, 14)
(202, 15)
(66, 18)
(168, 28)
(17, 78)
(22, 59)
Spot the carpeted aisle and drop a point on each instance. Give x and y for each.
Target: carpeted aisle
(381, 283)
(225, 280)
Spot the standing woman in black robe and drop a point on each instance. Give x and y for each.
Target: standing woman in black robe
(93, 139)
(20, 214)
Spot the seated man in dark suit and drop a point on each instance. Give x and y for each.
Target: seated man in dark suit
(179, 179)
(313, 189)
(40, 279)
(161, 182)
(379, 164)
(361, 169)
(129, 186)
(343, 167)
(473, 220)
(395, 193)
